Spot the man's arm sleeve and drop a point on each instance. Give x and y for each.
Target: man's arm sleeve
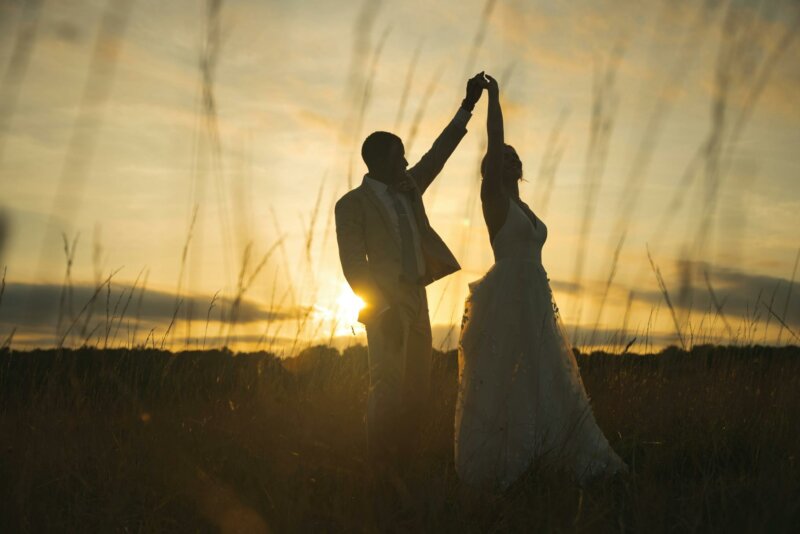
(433, 161)
(353, 257)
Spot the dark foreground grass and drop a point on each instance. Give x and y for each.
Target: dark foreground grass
(143, 441)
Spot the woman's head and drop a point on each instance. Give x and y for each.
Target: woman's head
(512, 166)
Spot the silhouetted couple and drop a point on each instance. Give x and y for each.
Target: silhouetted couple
(520, 395)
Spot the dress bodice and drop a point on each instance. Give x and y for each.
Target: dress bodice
(518, 237)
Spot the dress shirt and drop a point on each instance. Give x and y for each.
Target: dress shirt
(385, 196)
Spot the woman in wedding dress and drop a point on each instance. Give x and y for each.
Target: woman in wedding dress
(520, 395)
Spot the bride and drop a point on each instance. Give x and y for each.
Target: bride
(520, 395)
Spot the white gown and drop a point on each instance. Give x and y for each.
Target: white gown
(520, 394)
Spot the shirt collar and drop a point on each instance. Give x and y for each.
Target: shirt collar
(375, 184)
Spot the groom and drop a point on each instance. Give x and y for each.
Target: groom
(389, 253)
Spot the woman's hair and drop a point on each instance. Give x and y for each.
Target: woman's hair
(509, 155)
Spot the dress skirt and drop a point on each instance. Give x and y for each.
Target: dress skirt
(521, 398)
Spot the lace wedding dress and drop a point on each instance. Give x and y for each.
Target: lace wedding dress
(520, 395)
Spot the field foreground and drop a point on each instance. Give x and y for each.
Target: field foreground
(147, 440)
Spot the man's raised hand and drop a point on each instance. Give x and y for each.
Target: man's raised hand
(475, 86)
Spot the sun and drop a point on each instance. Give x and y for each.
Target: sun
(348, 304)
(341, 313)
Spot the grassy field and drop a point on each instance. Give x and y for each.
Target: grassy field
(101, 441)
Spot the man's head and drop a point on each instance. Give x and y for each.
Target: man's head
(384, 154)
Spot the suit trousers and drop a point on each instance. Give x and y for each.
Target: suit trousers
(399, 377)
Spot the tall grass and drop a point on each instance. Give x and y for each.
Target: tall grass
(182, 268)
(407, 84)
(83, 136)
(89, 304)
(738, 75)
(24, 43)
(663, 287)
(720, 313)
(478, 38)
(7, 343)
(124, 311)
(246, 278)
(3, 283)
(360, 78)
(422, 108)
(669, 86)
(788, 296)
(548, 167)
(604, 106)
(65, 303)
(150, 440)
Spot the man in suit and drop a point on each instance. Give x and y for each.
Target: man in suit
(389, 253)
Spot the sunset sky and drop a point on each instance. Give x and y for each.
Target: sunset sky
(106, 133)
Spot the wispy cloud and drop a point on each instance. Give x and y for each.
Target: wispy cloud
(37, 305)
(743, 294)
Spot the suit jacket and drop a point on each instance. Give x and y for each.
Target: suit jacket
(370, 249)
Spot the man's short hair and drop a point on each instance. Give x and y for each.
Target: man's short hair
(377, 147)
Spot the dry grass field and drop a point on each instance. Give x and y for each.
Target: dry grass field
(149, 441)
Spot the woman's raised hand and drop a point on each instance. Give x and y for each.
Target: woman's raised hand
(492, 87)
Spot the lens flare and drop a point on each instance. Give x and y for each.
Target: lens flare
(348, 304)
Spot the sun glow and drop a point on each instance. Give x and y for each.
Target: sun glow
(348, 304)
(342, 314)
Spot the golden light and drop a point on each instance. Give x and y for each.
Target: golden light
(342, 313)
(348, 304)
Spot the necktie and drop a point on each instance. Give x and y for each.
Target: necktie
(408, 255)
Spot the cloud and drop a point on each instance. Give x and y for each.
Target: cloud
(35, 306)
(743, 296)
(741, 292)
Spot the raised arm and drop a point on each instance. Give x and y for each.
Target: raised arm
(353, 256)
(494, 198)
(431, 164)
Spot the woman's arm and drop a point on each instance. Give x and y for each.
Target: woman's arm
(493, 196)
(432, 162)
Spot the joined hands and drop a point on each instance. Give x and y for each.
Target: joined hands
(475, 87)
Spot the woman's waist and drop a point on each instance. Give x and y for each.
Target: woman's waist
(511, 274)
(535, 261)
(519, 265)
